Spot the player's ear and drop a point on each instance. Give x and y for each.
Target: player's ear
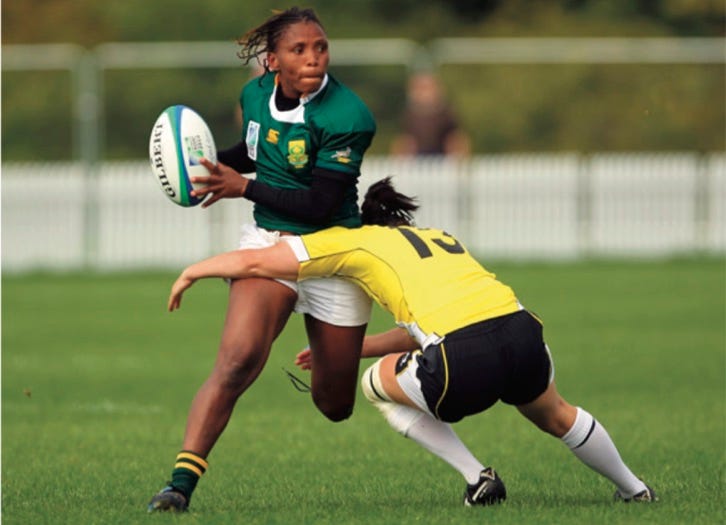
(272, 62)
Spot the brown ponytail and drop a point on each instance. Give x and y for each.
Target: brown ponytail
(384, 206)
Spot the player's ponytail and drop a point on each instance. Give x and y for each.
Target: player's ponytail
(384, 206)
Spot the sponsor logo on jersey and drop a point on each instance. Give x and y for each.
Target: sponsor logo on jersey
(342, 156)
(272, 136)
(253, 137)
(296, 153)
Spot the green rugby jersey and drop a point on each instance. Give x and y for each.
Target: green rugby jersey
(330, 129)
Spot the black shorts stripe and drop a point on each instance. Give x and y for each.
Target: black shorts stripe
(442, 348)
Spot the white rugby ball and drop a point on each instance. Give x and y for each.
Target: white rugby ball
(178, 139)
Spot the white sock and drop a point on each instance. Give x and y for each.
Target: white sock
(440, 439)
(592, 445)
(435, 436)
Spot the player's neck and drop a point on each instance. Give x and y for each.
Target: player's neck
(284, 103)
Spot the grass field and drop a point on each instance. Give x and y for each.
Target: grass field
(97, 378)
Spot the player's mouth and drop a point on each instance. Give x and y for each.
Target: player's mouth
(311, 82)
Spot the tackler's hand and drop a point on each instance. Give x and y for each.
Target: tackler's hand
(304, 359)
(177, 290)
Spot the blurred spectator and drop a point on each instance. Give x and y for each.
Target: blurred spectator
(429, 125)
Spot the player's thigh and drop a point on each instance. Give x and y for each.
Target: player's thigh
(257, 311)
(336, 315)
(392, 370)
(335, 357)
(334, 301)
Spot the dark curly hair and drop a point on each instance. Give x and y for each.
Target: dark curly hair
(384, 206)
(262, 39)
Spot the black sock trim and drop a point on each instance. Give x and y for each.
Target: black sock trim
(589, 433)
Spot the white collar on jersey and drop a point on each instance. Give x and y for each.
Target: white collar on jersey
(297, 114)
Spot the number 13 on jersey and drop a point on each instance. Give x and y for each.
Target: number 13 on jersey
(446, 243)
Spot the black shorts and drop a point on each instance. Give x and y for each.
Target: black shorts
(474, 367)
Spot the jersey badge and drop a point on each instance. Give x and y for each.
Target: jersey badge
(253, 137)
(195, 150)
(272, 136)
(296, 153)
(342, 156)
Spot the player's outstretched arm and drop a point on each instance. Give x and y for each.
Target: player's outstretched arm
(377, 345)
(278, 262)
(390, 342)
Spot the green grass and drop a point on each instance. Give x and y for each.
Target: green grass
(97, 378)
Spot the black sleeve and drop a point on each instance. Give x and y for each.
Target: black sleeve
(236, 157)
(315, 205)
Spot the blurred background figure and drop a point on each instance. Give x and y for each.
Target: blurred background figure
(429, 125)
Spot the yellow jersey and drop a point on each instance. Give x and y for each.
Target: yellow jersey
(424, 277)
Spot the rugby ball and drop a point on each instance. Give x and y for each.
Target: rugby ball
(179, 138)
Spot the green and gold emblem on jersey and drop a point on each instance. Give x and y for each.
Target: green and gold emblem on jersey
(342, 156)
(296, 154)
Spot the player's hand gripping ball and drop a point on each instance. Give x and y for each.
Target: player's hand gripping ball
(179, 138)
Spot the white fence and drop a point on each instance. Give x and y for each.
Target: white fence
(528, 206)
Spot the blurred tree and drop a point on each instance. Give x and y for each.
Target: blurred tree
(505, 108)
(468, 9)
(82, 22)
(682, 17)
(36, 116)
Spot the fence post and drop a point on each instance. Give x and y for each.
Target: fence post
(701, 205)
(584, 205)
(86, 112)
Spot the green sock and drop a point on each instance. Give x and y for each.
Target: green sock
(187, 470)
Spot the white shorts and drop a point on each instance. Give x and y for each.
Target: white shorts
(332, 300)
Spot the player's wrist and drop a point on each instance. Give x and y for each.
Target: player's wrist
(246, 187)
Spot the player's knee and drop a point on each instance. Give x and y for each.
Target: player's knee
(371, 384)
(334, 409)
(400, 417)
(233, 377)
(555, 418)
(235, 370)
